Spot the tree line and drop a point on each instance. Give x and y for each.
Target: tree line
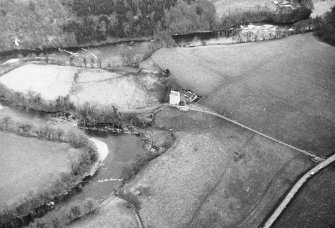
(65, 23)
(98, 20)
(325, 27)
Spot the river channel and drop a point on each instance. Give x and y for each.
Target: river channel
(123, 150)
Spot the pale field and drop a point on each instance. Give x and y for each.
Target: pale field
(30, 166)
(321, 7)
(226, 7)
(47, 80)
(283, 88)
(124, 91)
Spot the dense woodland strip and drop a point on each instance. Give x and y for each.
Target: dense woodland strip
(54, 23)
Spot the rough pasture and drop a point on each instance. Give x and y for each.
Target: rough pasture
(124, 91)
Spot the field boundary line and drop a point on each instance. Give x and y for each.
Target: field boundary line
(270, 221)
(198, 109)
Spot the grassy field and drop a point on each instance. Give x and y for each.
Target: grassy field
(227, 7)
(127, 92)
(216, 175)
(50, 81)
(283, 88)
(314, 204)
(30, 167)
(124, 91)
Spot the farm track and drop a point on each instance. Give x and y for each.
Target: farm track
(197, 211)
(200, 109)
(152, 109)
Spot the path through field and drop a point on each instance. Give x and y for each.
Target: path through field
(199, 109)
(282, 88)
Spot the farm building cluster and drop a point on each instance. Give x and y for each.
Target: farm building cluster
(183, 97)
(281, 4)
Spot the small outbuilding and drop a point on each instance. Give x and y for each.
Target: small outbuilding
(174, 98)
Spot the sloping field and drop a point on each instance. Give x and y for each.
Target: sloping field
(283, 88)
(226, 7)
(216, 175)
(124, 91)
(30, 167)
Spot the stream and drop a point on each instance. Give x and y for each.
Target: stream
(123, 149)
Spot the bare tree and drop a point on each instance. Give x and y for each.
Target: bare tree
(92, 62)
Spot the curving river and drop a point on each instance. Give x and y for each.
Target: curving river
(119, 150)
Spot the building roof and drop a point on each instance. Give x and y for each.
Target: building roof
(174, 93)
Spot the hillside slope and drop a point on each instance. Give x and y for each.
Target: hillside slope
(216, 175)
(283, 88)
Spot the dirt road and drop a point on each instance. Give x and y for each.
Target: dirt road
(295, 189)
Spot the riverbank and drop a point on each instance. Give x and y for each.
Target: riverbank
(31, 171)
(102, 153)
(127, 153)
